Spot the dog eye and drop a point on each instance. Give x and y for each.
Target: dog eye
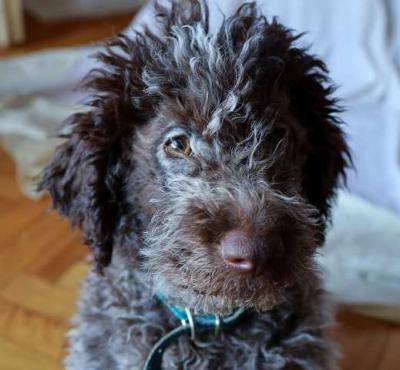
(178, 145)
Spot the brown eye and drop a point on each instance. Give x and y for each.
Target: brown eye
(178, 145)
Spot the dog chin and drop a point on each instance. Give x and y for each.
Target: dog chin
(219, 304)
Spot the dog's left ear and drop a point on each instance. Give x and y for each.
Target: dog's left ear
(310, 99)
(85, 177)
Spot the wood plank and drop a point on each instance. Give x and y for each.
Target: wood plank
(9, 191)
(18, 219)
(40, 296)
(15, 357)
(7, 167)
(391, 356)
(35, 240)
(6, 206)
(59, 258)
(73, 276)
(35, 332)
(362, 341)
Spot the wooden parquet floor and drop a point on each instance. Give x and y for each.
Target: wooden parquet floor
(42, 260)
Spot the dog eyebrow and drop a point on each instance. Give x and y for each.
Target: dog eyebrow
(174, 131)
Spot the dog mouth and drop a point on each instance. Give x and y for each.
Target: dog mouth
(218, 300)
(213, 293)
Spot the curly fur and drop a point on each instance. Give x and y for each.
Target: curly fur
(267, 153)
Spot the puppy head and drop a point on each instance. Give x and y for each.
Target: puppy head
(210, 159)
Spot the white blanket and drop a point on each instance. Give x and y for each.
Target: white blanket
(361, 257)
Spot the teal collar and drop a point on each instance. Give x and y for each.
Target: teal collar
(190, 325)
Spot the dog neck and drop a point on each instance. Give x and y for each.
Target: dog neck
(191, 324)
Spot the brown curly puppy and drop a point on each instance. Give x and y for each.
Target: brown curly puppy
(204, 170)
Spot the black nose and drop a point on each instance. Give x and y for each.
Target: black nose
(241, 252)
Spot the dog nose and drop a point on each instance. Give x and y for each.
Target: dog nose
(240, 251)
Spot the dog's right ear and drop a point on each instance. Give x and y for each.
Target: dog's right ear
(85, 178)
(73, 179)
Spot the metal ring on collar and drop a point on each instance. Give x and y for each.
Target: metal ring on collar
(217, 325)
(191, 323)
